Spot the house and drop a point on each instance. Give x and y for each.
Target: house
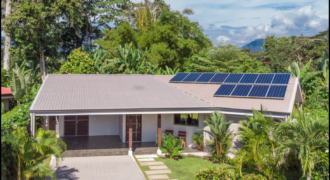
(137, 108)
(6, 95)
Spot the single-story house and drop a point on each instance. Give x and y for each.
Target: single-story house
(137, 108)
(6, 95)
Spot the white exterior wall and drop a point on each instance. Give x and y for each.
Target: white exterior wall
(103, 125)
(149, 127)
(121, 124)
(168, 123)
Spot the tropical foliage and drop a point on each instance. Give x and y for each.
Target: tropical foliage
(214, 173)
(172, 146)
(259, 150)
(307, 138)
(198, 139)
(30, 152)
(220, 134)
(80, 63)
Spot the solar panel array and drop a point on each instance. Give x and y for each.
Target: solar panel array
(272, 85)
(234, 78)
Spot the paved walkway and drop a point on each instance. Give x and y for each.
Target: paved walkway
(98, 168)
(158, 170)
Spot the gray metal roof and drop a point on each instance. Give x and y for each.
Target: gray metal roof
(206, 92)
(110, 92)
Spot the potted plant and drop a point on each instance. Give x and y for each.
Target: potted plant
(198, 139)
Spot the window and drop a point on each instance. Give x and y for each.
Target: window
(186, 119)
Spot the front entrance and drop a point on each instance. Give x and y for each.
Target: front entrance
(76, 125)
(136, 126)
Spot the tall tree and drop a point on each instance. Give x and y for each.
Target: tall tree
(34, 26)
(100, 12)
(7, 43)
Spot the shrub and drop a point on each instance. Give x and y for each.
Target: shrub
(198, 139)
(214, 173)
(254, 177)
(172, 146)
(80, 63)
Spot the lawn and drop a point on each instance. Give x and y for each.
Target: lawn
(186, 168)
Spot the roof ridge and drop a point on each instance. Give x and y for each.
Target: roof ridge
(168, 84)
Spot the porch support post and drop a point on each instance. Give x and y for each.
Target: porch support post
(57, 127)
(32, 124)
(130, 137)
(159, 133)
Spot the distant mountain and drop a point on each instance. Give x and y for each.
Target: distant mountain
(255, 45)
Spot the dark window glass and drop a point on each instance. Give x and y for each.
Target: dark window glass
(186, 119)
(82, 117)
(69, 117)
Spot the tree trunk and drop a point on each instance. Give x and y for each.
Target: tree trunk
(220, 148)
(19, 169)
(6, 58)
(42, 63)
(216, 144)
(309, 178)
(87, 34)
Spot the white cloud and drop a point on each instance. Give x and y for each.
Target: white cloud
(222, 38)
(301, 20)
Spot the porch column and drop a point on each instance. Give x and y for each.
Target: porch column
(57, 127)
(32, 124)
(130, 137)
(159, 133)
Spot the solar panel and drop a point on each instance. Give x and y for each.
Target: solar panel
(205, 77)
(241, 90)
(219, 77)
(265, 78)
(259, 91)
(249, 78)
(281, 79)
(277, 91)
(225, 90)
(179, 77)
(191, 77)
(234, 78)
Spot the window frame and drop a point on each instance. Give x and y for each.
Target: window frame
(186, 120)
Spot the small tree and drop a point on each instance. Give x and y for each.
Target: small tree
(219, 131)
(80, 63)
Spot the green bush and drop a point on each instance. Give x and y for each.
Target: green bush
(198, 139)
(172, 146)
(80, 63)
(214, 173)
(254, 177)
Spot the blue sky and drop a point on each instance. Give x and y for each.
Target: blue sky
(242, 21)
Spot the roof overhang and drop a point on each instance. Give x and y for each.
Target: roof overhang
(9, 96)
(152, 111)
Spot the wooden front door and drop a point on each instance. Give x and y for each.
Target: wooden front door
(136, 127)
(76, 125)
(52, 123)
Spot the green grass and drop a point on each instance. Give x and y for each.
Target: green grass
(186, 168)
(143, 168)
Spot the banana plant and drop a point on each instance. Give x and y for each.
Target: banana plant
(170, 71)
(324, 67)
(20, 79)
(129, 61)
(172, 146)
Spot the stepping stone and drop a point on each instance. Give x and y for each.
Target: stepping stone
(157, 167)
(146, 156)
(158, 172)
(151, 177)
(151, 163)
(148, 159)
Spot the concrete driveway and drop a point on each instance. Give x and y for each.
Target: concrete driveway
(98, 168)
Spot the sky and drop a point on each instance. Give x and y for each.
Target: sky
(242, 21)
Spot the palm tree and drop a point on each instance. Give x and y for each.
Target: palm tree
(219, 131)
(259, 146)
(30, 152)
(306, 136)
